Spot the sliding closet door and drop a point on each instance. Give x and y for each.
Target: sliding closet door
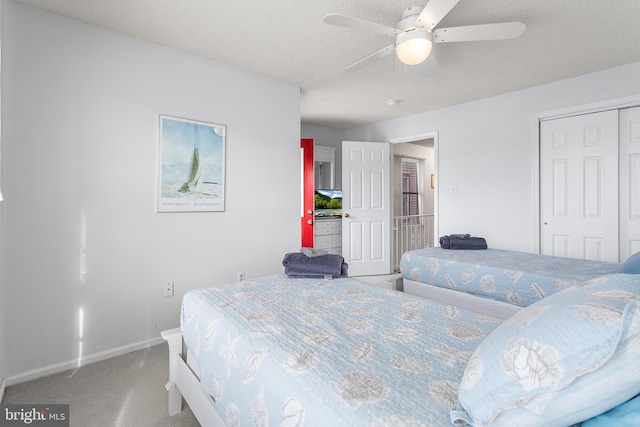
(579, 186)
(629, 182)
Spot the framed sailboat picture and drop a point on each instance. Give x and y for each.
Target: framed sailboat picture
(191, 170)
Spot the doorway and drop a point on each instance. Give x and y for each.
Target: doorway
(421, 154)
(414, 194)
(429, 178)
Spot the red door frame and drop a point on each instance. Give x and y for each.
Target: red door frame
(308, 189)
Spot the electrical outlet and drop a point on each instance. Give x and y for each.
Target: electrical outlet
(167, 289)
(241, 275)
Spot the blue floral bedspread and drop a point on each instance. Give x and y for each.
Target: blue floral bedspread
(515, 277)
(311, 352)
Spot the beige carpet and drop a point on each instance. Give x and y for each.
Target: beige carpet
(124, 391)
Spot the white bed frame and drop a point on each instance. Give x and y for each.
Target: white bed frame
(465, 300)
(183, 382)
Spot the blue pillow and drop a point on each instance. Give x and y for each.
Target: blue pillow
(625, 415)
(631, 265)
(570, 356)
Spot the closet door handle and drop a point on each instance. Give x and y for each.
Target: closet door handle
(346, 215)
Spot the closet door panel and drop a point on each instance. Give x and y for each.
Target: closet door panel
(629, 182)
(579, 186)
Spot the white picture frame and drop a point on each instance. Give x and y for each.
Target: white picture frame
(191, 169)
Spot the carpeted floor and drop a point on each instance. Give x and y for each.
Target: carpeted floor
(124, 391)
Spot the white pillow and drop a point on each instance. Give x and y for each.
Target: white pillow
(561, 360)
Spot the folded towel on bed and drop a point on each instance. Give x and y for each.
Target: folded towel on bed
(468, 243)
(445, 241)
(462, 241)
(343, 273)
(297, 263)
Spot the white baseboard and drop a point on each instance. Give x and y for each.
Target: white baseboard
(3, 386)
(72, 364)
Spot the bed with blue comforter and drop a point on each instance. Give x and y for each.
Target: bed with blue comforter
(517, 278)
(292, 352)
(339, 352)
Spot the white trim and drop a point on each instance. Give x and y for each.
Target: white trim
(594, 107)
(535, 155)
(413, 138)
(436, 191)
(301, 182)
(76, 363)
(3, 388)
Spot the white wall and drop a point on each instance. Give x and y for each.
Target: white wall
(80, 128)
(486, 151)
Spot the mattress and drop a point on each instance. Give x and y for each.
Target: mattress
(517, 278)
(340, 352)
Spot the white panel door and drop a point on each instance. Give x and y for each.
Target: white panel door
(629, 182)
(366, 197)
(579, 186)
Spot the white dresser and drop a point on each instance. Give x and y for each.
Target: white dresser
(328, 235)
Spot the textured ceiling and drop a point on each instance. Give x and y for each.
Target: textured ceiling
(287, 40)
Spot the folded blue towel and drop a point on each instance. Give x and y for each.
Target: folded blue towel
(294, 275)
(324, 265)
(343, 273)
(468, 243)
(462, 241)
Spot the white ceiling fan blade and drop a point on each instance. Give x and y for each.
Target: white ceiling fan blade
(359, 24)
(430, 66)
(369, 59)
(503, 31)
(433, 13)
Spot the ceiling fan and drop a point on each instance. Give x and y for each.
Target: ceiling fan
(415, 34)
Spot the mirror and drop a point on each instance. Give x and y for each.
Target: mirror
(324, 175)
(324, 168)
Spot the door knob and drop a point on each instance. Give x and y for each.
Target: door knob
(309, 221)
(346, 215)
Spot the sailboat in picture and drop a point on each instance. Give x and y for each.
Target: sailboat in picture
(194, 173)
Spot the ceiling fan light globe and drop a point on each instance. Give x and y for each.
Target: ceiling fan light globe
(413, 47)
